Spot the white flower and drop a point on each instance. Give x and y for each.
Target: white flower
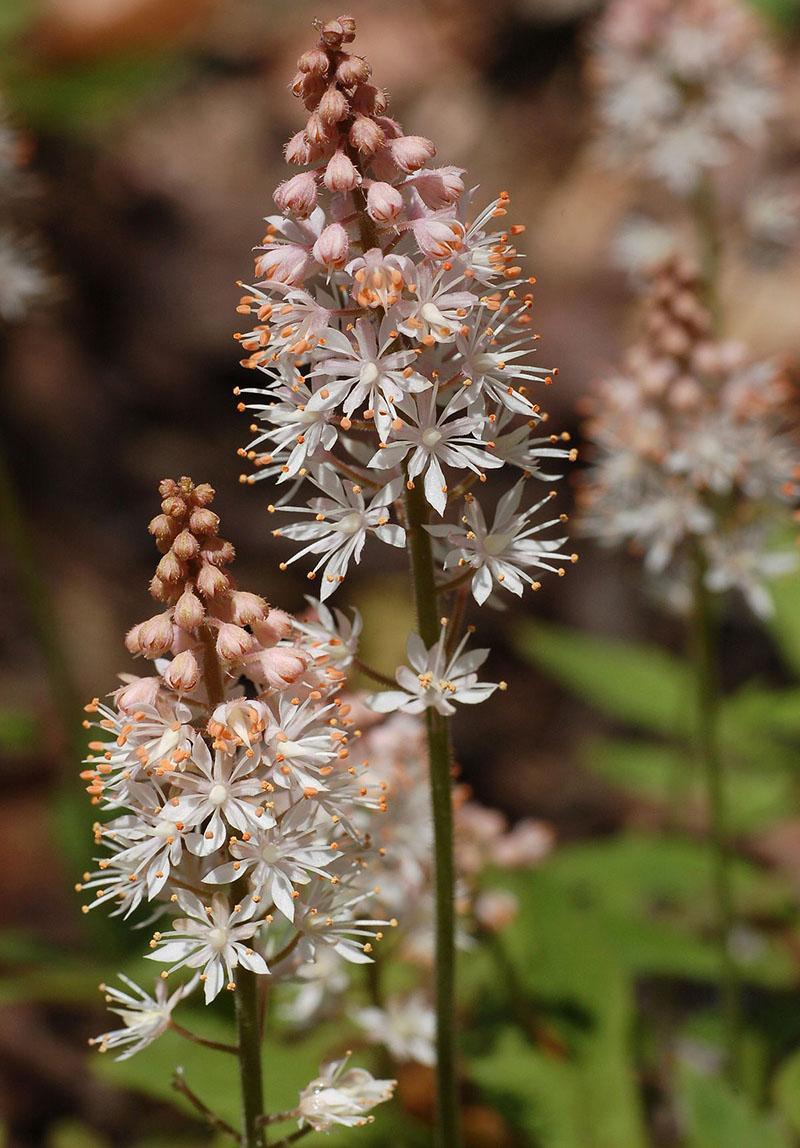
(406, 1027)
(330, 636)
(220, 795)
(144, 1017)
(300, 745)
(493, 362)
(341, 1097)
(342, 520)
(436, 678)
(434, 438)
(505, 552)
(437, 311)
(211, 938)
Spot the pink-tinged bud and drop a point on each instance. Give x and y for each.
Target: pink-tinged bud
(170, 569)
(204, 493)
(527, 844)
(298, 150)
(185, 546)
(333, 33)
(352, 70)
(341, 173)
(410, 153)
(315, 61)
(211, 582)
(332, 247)
(366, 136)
(278, 667)
(155, 635)
(132, 643)
(348, 26)
(318, 131)
(136, 693)
(298, 194)
(309, 88)
(189, 611)
(333, 106)
(174, 506)
(202, 521)
(495, 909)
(368, 100)
(163, 528)
(441, 187)
(391, 128)
(183, 672)
(276, 628)
(247, 608)
(160, 590)
(218, 551)
(384, 202)
(233, 643)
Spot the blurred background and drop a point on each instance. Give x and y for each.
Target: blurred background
(152, 133)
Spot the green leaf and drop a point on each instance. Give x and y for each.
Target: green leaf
(717, 1117)
(635, 683)
(786, 1090)
(784, 624)
(18, 731)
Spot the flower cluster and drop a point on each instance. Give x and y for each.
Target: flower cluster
(692, 449)
(230, 803)
(679, 83)
(391, 330)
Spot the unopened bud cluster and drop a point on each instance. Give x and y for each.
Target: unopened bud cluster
(693, 449)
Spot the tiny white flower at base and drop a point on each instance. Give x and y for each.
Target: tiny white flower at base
(145, 1017)
(406, 1027)
(339, 1097)
(436, 679)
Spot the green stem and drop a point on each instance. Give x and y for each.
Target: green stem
(248, 1029)
(707, 700)
(428, 623)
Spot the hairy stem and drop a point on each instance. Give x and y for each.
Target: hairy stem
(707, 699)
(428, 624)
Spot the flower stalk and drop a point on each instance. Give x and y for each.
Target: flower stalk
(438, 736)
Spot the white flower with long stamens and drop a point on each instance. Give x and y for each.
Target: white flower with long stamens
(436, 678)
(212, 938)
(222, 794)
(341, 1096)
(327, 915)
(275, 860)
(330, 636)
(342, 521)
(493, 363)
(145, 1017)
(437, 311)
(505, 552)
(432, 438)
(300, 745)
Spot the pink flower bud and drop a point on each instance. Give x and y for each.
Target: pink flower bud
(247, 608)
(441, 187)
(211, 582)
(186, 546)
(411, 152)
(298, 150)
(315, 61)
(309, 88)
(202, 521)
(332, 247)
(163, 528)
(341, 173)
(132, 643)
(204, 493)
(189, 611)
(384, 202)
(318, 132)
(155, 635)
(233, 643)
(183, 672)
(170, 569)
(352, 70)
(366, 136)
(218, 551)
(368, 100)
(333, 106)
(136, 693)
(160, 590)
(298, 194)
(277, 627)
(278, 667)
(527, 843)
(334, 32)
(348, 26)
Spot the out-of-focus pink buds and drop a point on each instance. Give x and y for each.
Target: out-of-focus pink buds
(233, 643)
(368, 100)
(384, 202)
(332, 247)
(365, 135)
(247, 608)
(495, 909)
(298, 194)
(276, 628)
(183, 672)
(341, 173)
(410, 153)
(526, 844)
(189, 611)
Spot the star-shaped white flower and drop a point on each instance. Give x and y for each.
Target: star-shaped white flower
(434, 678)
(341, 1097)
(144, 1017)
